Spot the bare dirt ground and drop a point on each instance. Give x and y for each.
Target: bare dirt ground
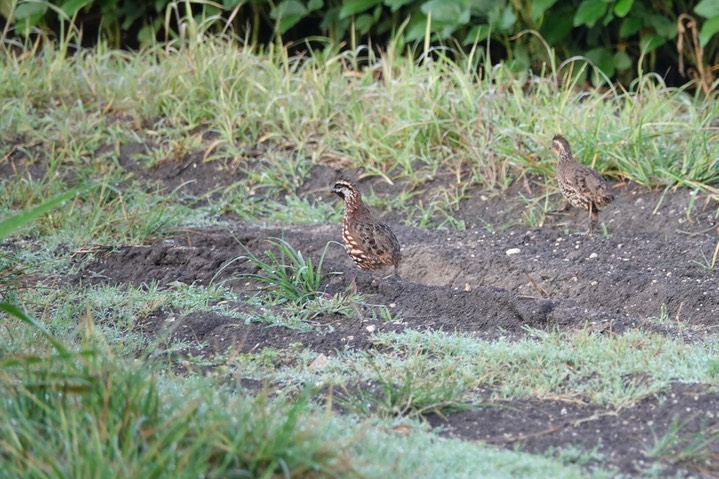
(467, 281)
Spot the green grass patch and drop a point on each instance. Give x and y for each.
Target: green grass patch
(110, 318)
(129, 422)
(421, 371)
(615, 370)
(101, 214)
(440, 123)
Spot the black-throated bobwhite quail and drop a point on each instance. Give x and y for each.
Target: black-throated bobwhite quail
(582, 186)
(371, 244)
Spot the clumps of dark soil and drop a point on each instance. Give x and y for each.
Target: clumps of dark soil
(199, 176)
(16, 165)
(623, 437)
(211, 332)
(191, 176)
(472, 281)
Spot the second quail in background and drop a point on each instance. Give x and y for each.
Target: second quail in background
(582, 186)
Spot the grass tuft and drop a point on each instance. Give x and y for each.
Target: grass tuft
(414, 391)
(286, 276)
(688, 444)
(130, 423)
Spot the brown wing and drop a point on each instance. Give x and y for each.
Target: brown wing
(585, 186)
(377, 242)
(594, 187)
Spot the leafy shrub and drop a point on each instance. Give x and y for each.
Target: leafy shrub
(616, 35)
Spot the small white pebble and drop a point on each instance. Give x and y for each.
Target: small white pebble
(512, 251)
(593, 255)
(371, 328)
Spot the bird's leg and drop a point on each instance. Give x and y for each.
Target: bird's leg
(593, 218)
(353, 283)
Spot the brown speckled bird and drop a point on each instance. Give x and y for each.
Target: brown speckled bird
(582, 186)
(371, 244)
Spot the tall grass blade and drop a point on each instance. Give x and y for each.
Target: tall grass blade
(9, 225)
(22, 316)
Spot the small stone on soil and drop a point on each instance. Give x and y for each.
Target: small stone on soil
(319, 362)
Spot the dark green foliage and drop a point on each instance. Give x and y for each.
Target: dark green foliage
(616, 35)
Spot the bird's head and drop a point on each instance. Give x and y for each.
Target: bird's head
(560, 145)
(345, 189)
